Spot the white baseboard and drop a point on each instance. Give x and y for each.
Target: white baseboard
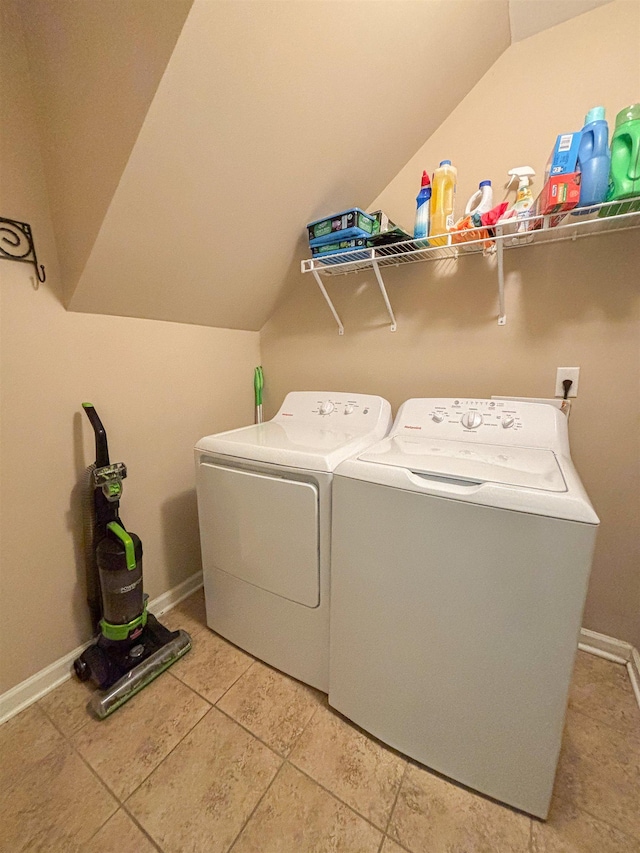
(29, 691)
(614, 650)
(605, 647)
(633, 666)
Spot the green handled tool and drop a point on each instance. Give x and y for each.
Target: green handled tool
(258, 385)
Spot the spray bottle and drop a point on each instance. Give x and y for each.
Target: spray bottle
(524, 197)
(423, 201)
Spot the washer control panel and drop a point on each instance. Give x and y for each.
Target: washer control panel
(488, 421)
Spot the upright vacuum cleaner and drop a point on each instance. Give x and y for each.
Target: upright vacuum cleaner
(133, 647)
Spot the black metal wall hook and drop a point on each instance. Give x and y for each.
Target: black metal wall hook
(16, 244)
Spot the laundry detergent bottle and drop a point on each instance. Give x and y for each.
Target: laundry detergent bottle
(442, 202)
(625, 158)
(481, 201)
(594, 158)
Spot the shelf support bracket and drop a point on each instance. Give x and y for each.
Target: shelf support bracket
(502, 317)
(384, 295)
(16, 244)
(323, 290)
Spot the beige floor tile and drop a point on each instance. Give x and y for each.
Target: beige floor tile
(571, 831)
(127, 746)
(390, 846)
(296, 816)
(190, 615)
(602, 690)
(25, 740)
(273, 706)
(436, 816)
(599, 772)
(212, 665)
(199, 798)
(120, 835)
(358, 770)
(66, 706)
(56, 807)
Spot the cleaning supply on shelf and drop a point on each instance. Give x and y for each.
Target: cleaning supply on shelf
(481, 201)
(442, 203)
(342, 226)
(624, 179)
(423, 202)
(559, 195)
(564, 157)
(524, 197)
(594, 158)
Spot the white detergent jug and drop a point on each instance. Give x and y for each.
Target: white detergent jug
(481, 201)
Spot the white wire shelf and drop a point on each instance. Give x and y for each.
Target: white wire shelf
(605, 218)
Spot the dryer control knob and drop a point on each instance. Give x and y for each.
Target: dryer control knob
(508, 422)
(437, 418)
(471, 420)
(326, 408)
(348, 409)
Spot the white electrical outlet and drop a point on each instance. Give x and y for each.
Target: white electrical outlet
(572, 373)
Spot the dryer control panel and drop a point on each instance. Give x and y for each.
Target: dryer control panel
(507, 422)
(357, 412)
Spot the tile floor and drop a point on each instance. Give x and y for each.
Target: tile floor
(222, 753)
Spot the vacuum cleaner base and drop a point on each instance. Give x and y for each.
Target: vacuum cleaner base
(122, 668)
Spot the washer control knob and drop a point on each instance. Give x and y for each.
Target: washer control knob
(348, 409)
(326, 408)
(471, 420)
(507, 422)
(437, 417)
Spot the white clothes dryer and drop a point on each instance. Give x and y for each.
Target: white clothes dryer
(264, 506)
(462, 546)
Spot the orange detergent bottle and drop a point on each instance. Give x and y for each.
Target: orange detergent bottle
(442, 201)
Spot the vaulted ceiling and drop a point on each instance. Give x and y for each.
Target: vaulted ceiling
(186, 144)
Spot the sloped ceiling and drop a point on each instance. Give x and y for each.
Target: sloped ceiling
(268, 114)
(186, 144)
(529, 17)
(95, 67)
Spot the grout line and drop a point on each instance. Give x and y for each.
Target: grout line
(303, 730)
(249, 732)
(173, 748)
(336, 797)
(135, 820)
(242, 674)
(596, 817)
(393, 807)
(69, 739)
(531, 850)
(600, 722)
(253, 811)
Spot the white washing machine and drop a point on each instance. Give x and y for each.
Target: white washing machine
(264, 505)
(462, 545)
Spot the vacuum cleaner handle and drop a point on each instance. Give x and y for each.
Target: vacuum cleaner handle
(102, 449)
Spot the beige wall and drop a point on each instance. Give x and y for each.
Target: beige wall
(270, 114)
(567, 305)
(158, 387)
(95, 67)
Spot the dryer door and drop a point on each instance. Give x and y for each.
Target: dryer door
(262, 529)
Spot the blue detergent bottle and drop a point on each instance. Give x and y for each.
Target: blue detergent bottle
(423, 202)
(594, 158)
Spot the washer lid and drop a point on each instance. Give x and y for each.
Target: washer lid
(530, 468)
